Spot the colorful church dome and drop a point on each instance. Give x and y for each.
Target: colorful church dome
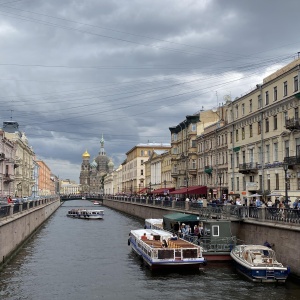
(86, 155)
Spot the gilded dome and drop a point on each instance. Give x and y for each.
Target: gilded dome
(86, 154)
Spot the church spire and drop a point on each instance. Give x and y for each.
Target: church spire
(102, 151)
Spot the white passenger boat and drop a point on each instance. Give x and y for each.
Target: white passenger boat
(85, 213)
(259, 264)
(158, 249)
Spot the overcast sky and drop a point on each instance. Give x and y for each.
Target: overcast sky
(72, 70)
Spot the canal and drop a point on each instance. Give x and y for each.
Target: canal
(90, 259)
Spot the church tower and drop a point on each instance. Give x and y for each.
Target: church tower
(85, 173)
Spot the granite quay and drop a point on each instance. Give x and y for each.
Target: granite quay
(251, 225)
(19, 221)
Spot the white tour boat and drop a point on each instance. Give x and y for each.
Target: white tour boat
(83, 213)
(159, 250)
(258, 263)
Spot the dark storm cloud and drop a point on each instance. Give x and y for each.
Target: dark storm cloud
(71, 71)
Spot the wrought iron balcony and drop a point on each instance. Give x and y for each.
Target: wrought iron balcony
(292, 124)
(248, 168)
(292, 160)
(7, 178)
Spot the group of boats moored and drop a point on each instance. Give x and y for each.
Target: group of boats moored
(160, 246)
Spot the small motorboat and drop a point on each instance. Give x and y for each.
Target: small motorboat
(88, 214)
(258, 263)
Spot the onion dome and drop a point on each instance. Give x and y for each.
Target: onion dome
(86, 155)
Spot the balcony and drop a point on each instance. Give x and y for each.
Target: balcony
(292, 161)
(7, 178)
(248, 168)
(292, 124)
(208, 170)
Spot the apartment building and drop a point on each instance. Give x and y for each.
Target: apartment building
(7, 166)
(133, 168)
(264, 136)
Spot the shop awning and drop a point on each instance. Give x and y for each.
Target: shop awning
(142, 191)
(191, 190)
(163, 190)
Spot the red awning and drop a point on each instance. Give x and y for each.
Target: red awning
(163, 190)
(191, 190)
(144, 190)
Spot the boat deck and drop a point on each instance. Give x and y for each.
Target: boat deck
(171, 244)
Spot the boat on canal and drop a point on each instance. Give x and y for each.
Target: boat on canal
(159, 250)
(215, 236)
(258, 263)
(88, 214)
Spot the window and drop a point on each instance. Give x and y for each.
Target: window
(275, 93)
(275, 122)
(260, 182)
(267, 124)
(275, 151)
(267, 153)
(276, 181)
(243, 109)
(259, 102)
(259, 155)
(236, 112)
(193, 164)
(251, 130)
(258, 127)
(267, 97)
(194, 144)
(250, 105)
(285, 117)
(237, 135)
(243, 133)
(296, 84)
(286, 148)
(285, 89)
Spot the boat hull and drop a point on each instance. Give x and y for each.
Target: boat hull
(265, 275)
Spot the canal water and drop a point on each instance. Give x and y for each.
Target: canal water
(72, 259)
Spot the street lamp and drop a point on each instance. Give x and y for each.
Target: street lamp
(285, 168)
(220, 177)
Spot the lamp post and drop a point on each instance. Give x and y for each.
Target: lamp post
(220, 177)
(285, 168)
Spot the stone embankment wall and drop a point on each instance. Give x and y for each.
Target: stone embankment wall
(285, 238)
(17, 228)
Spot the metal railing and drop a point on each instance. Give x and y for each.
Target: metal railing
(7, 210)
(233, 212)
